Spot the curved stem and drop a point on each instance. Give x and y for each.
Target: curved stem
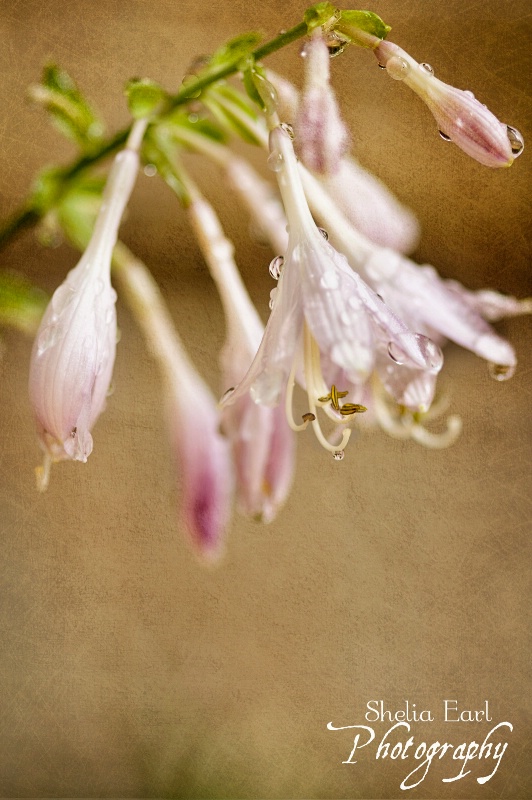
(27, 216)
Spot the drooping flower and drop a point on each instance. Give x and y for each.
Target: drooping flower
(263, 444)
(74, 350)
(460, 117)
(323, 306)
(322, 137)
(201, 453)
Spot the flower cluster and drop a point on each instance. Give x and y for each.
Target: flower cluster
(354, 322)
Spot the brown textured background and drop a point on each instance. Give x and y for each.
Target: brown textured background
(127, 670)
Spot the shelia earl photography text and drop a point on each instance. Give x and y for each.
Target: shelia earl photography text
(472, 751)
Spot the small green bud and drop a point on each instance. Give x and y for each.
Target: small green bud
(235, 50)
(144, 97)
(363, 27)
(320, 14)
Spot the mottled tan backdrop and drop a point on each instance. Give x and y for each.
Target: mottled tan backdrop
(398, 574)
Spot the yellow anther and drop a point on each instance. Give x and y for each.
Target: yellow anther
(352, 408)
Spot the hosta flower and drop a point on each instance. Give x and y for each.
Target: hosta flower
(322, 137)
(323, 307)
(74, 350)
(201, 453)
(263, 444)
(460, 117)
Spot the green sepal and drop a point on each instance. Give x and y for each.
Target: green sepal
(47, 188)
(235, 50)
(196, 123)
(159, 149)
(21, 303)
(144, 97)
(250, 85)
(319, 14)
(230, 107)
(68, 109)
(355, 23)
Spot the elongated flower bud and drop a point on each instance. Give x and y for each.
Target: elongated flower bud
(74, 350)
(321, 135)
(460, 117)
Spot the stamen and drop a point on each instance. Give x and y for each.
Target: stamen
(438, 441)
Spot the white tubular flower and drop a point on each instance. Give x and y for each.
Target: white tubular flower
(263, 444)
(322, 305)
(460, 117)
(322, 137)
(202, 454)
(74, 351)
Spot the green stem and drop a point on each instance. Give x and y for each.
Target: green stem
(27, 216)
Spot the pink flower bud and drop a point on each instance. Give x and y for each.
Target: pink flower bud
(321, 135)
(460, 117)
(74, 351)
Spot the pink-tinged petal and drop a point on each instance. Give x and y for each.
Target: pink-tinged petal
(459, 115)
(203, 459)
(370, 206)
(419, 294)
(322, 138)
(412, 388)
(491, 305)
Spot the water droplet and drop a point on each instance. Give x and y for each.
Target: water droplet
(501, 372)
(276, 267)
(275, 161)
(150, 170)
(193, 118)
(266, 389)
(395, 353)
(324, 234)
(516, 140)
(287, 128)
(227, 394)
(444, 136)
(329, 280)
(469, 93)
(109, 316)
(303, 50)
(62, 297)
(47, 338)
(430, 352)
(188, 83)
(397, 68)
(336, 43)
(426, 68)
(273, 294)
(381, 66)
(338, 455)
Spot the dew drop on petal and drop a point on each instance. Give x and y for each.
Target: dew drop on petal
(501, 372)
(338, 455)
(426, 68)
(47, 338)
(397, 68)
(395, 353)
(381, 66)
(276, 267)
(444, 136)
(303, 50)
(287, 128)
(329, 280)
(430, 351)
(275, 161)
(150, 170)
(62, 298)
(267, 388)
(469, 93)
(517, 142)
(324, 234)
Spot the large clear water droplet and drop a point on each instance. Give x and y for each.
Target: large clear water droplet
(150, 170)
(426, 68)
(517, 143)
(336, 44)
(276, 267)
(501, 372)
(397, 68)
(329, 280)
(430, 351)
(275, 161)
(338, 455)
